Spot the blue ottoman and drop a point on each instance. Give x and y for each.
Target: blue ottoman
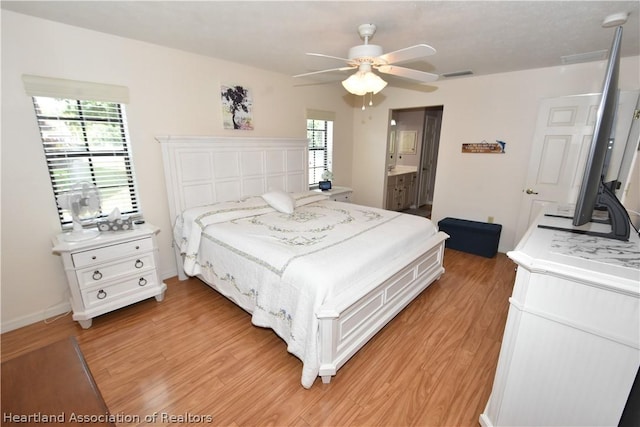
(479, 238)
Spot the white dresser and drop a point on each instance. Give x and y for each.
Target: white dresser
(111, 271)
(571, 345)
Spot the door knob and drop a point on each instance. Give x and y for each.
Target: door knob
(530, 191)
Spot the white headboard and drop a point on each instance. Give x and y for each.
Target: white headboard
(202, 170)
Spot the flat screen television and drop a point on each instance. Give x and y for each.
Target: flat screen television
(595, 195)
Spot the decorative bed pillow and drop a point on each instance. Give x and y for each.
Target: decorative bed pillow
(280, 201)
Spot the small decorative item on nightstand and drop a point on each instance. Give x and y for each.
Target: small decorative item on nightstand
(324, 185)
(111, 271)
(115, 222)
(117, 225)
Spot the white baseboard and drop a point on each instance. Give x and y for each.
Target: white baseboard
(168, 274)
(485, 421)
(39, 316)
(56, 310)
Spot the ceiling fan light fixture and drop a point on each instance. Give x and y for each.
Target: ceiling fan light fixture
(615, 20)
(364, 81)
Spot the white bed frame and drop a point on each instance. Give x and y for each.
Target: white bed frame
(204, 170)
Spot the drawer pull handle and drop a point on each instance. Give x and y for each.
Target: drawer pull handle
(94, 257)
(137, 247)
(101, 294)
(142, 281)
(97, 275)
(139, 263)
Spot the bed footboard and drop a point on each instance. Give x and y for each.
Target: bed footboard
(343, 332)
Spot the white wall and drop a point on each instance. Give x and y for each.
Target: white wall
(499, 106)
(171, 92)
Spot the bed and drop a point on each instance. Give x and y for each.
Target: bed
(325, 276)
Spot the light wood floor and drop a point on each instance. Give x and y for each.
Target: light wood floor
(197, 354)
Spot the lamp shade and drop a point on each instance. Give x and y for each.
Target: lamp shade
(363, 82)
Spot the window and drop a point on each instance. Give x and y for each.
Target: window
(86, 140)
(320, 137)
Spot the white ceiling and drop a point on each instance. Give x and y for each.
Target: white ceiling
(483, 36)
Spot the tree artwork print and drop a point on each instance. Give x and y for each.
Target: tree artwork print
(236, 108)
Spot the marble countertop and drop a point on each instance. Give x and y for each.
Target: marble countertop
(400, 169)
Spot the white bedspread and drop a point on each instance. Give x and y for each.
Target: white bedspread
(282, 268)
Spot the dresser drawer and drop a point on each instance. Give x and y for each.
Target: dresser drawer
(106, 272)
(97, 296)
(106, 253)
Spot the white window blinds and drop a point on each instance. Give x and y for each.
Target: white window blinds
(85, 139)
(320, 137)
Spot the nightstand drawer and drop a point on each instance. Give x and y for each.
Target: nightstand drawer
(342, 197)
(106, 253)
(338, 194)
(104, 295)
(106, 272)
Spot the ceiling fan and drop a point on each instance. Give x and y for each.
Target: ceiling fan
(368, 57)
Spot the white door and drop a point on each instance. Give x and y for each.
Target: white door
(429, 159)
(629, 156)
(559, 151)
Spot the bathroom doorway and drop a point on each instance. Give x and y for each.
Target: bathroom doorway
(412, 156)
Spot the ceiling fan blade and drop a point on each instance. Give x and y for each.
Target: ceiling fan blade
(316, 83)
(322, 55)
(324, 71)
(408, 73)
(408, 53)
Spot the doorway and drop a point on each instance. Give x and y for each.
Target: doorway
(412, 156)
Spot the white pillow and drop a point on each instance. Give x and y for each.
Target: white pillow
(280, 201)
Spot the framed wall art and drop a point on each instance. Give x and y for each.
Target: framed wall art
(236, 107)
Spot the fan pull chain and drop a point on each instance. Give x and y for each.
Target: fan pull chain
(370, 100)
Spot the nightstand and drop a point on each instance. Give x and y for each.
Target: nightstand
(338, 194)
(111, 271)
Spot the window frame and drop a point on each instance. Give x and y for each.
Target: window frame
(326, 146)
(85, 138)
